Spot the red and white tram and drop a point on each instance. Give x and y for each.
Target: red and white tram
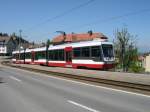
(97, 54)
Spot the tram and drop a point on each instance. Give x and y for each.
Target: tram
(96, 54)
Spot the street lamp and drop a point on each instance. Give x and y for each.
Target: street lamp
(63, 33)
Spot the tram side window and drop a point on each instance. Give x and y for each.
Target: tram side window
(14, 56)
(44, 54)
(77, 52)
(53, 55)
(56, 55)
(22, 56)
(61, 55)
(50, 55)
(85, 52)
(40, 55)
(36, 55)
(17, 56)
(28, 55)
(96, 52)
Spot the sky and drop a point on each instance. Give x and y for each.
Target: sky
(40, 19)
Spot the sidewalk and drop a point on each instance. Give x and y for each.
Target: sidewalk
(116, 76)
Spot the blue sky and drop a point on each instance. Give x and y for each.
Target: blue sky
(29, 15)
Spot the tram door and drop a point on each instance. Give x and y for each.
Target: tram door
(68, 56)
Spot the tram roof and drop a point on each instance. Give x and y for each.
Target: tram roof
(39, 49)
(79, 44)
(62, 46)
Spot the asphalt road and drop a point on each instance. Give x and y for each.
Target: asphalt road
(24, 91)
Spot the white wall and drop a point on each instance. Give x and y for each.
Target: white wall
(3, 49)
(147, 63)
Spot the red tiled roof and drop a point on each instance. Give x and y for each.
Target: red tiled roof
(77, 37)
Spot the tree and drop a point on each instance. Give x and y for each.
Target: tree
(125, 50)
(5, 34)
(1, 34)
(13, 34)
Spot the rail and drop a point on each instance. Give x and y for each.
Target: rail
(134, 86)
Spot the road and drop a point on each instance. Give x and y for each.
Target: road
(24, 91)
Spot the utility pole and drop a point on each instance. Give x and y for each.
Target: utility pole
(47, 46)
(20, 31)
(24, 48)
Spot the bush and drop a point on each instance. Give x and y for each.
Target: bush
(136, 69)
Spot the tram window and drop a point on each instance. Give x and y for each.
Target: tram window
(61, 55)
(85, 52)
(17, 56)
(107, 50)
(28, 55)
(14, 56)
(36, 55)
(51, 55)
(55, 54)
(96, 51)
(77, 52)
(41, 55)
(21, 56)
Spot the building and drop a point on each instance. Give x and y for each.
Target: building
(10, 43)
(66, 38)
(141, 61)
(147, 62)
(7, 45)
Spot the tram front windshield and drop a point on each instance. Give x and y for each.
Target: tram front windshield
(108, 51)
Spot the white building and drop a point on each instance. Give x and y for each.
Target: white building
(147, 63)
(7, 45)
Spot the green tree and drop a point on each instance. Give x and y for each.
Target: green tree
(13, 34)
(125, 50)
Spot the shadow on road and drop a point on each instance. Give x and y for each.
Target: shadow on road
(1, 80)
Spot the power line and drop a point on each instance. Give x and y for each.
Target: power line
(107, 19)
(112, 18)
(62, 14)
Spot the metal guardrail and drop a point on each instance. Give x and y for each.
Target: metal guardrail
(84, 78)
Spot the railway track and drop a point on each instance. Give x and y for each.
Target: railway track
(126, 85)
